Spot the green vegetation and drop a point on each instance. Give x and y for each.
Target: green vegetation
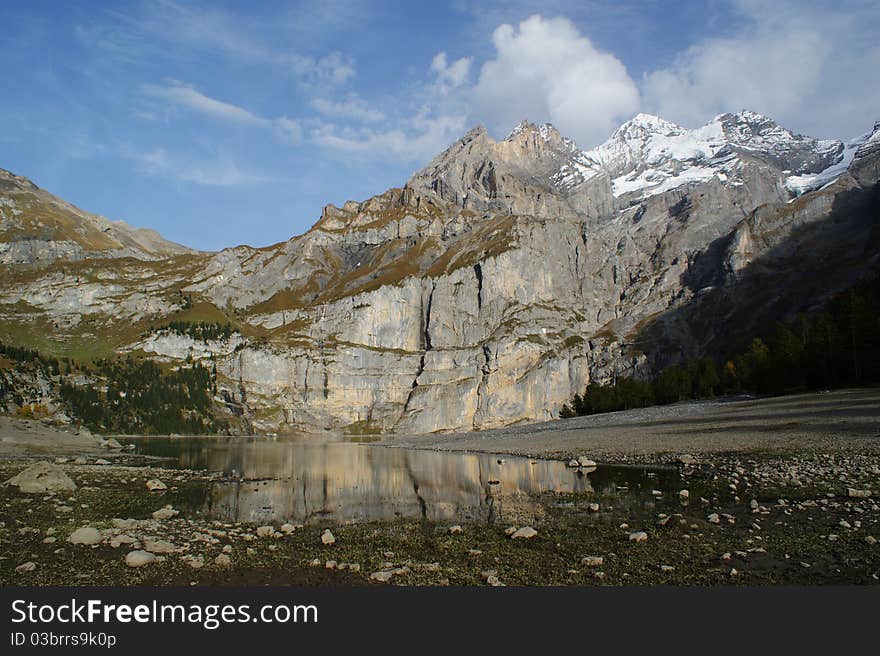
(139, 397)
(200, 330)
(48, 364)
(836, 347)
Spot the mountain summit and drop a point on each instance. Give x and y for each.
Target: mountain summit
(497, 282)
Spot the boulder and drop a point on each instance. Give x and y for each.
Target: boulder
(42, 477)
(524, 533)
(86, 535)
(165, 513)
(139, 558)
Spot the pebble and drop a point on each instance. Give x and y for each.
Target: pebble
(639, 536)
(684, 494)
(155, 485)
(29, 566)
(592, 561)
(386, 575)
(714, 518)
(159, 546)
(327, 537)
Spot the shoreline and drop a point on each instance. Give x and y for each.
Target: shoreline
(786, 494)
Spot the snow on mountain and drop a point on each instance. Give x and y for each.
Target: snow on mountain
(648, 155)
(800, 184)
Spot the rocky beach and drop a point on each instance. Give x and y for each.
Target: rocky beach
(756, 491)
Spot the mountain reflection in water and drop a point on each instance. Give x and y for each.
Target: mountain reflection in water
(344, 482)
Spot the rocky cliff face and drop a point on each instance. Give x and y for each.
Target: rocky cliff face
(499, 281)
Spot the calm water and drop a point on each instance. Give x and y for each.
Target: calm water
(277, 480)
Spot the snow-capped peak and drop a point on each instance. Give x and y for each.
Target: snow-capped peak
(648, 155)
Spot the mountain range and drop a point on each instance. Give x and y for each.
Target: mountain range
(498, 281)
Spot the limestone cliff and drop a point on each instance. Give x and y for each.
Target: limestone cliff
(498, 281)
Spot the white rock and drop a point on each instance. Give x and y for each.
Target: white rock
(29, 566)
(524, 533)
(86, 535)
(139, 558)
(327, 537)
(585, 462)
(288, 528)
(592, 561)
(638, 536)
(714, 518)
(684, 494)
(265, 531)
(165, 513)
(155, 485)
(42, 477)
(454, 530)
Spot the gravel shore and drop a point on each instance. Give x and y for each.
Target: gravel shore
(842, 420)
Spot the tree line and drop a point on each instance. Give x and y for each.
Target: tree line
(200, 330)
(138, 397)
(838, 346)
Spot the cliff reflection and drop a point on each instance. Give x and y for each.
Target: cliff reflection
(280, 481)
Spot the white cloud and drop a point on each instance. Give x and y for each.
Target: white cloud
(450, 76)
(545, 70)
(352, 107)
(183, 95)
(806, 66)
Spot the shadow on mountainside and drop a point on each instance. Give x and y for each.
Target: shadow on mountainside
(800, 273)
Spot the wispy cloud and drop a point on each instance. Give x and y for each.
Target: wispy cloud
(183, 95)
(179, 94)
(417, 139)
(217, 172)
(184, 29)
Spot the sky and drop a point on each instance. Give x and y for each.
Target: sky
(225, 123)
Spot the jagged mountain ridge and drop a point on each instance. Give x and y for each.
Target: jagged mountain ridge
(497, 282)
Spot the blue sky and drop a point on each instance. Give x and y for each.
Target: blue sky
(221, 123)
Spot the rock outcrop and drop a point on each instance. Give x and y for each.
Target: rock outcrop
(500, 280)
